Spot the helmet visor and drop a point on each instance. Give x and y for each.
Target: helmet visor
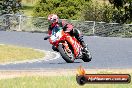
(52, 21)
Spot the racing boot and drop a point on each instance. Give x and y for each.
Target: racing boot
(80, 39)
(85, 48)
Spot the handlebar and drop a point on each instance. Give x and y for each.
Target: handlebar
(47, 37)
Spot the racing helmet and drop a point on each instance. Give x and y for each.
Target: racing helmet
(53, 19)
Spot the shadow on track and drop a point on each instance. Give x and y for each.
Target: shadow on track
(65, 63)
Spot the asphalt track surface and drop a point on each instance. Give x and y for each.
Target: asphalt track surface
(107, 52)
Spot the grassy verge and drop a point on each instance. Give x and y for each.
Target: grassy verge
(10, 53)
(53, 82)
(52, 79)
(28, 10)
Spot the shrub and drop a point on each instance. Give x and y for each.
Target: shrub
(66, 9)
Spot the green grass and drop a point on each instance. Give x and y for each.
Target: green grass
(28, 10)
(10, 53)
(53, 82)
(28, 6)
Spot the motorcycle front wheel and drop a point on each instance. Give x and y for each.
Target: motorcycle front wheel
(68, 56)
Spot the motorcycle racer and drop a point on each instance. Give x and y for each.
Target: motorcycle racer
(55, 22)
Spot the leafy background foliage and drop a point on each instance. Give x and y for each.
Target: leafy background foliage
(9, 6)
(119, 11)
(66, 9)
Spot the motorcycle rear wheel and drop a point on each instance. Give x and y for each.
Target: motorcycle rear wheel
(64, 54)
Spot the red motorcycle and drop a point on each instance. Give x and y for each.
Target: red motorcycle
(68, 46)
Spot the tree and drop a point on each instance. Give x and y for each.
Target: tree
(96, 11)
(124, 10)
(10, 6)
(117, 3)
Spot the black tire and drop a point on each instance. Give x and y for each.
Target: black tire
(64, 55)
(87, 57)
